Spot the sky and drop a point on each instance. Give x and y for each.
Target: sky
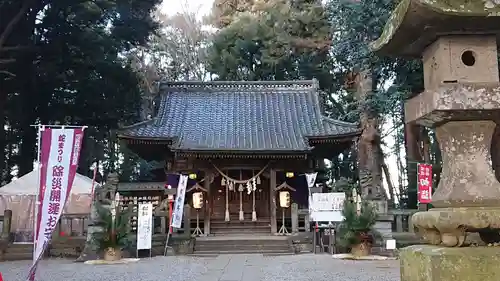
(171, 7)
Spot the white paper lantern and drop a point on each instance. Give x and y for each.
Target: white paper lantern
(198, 200)
(284, 199)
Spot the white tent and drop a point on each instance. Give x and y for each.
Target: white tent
(19, 196)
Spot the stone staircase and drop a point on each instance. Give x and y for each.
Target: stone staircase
(17, 252)
(241, 237)
(242, 244)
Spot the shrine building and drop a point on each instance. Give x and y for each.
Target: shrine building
(240, 143)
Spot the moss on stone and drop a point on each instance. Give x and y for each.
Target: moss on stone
(434, 263)
(463, 8)
(393, 23)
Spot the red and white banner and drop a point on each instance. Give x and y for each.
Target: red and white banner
(59, 155)
(424, 183)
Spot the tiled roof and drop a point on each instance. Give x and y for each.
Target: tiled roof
(239, 116)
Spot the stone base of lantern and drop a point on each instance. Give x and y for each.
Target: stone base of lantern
(434, 263)
(449, 226)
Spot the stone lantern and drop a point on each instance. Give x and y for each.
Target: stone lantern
(457, 41)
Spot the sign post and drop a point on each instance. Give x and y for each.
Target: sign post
(327, 207)
(424, 178)
(144, 227)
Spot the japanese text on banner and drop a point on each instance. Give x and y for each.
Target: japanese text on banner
(424, 183)
(179, 201)
(59, 152)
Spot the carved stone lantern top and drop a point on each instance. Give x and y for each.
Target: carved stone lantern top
(415, 24)
(457, 41)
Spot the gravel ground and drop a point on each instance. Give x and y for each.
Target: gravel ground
(222, 268)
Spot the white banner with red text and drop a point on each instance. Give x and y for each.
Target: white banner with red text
(59, 155)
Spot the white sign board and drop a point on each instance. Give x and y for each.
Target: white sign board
(144, 226)
(179, 201)
(390, 244)
(327, 206)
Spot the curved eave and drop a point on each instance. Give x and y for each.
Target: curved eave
(335, 138)
(231, 154)
(415, 24)
(145, 140)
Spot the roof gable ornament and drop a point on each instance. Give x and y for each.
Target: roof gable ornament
(284, 186)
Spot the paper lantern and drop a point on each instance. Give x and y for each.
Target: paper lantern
(198, 200)
(284, 199)
(193, 176)
(289, 174)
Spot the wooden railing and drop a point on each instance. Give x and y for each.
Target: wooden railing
(402, 220)
(75, 225)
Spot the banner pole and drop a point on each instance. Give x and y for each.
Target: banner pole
(37, 194)
(93, 185)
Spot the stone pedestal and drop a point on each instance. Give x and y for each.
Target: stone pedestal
(434, 263)
(384, 221)
(468, 194)
(467, 178)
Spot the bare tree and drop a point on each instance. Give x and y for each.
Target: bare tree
(176, 53)
(182, 45)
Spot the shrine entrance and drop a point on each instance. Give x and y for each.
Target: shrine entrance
(239, 208)
(236, 197)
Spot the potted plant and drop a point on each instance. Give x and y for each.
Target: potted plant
(356, 230)
(115, 230)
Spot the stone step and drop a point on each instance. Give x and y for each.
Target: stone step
(249, 247)
(221, 241)
(20, 248)
(236, 252)
(240, 231)
(17, 256)
(248, 226)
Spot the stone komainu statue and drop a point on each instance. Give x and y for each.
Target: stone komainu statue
(104, 195)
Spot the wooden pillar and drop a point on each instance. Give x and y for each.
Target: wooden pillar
(399, 223)
(410, 224)
(272, 200)
(295, 218)
(187, 220)
(307, 223)
(208, 204)
(164, 224)
(7, 223)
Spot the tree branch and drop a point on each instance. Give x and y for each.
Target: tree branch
(10, 26)
(7, 73)
(5, 61)
(16, 48)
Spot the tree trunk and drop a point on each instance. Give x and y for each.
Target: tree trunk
(390, 186)
(413, 156)
(3, 167)
(426, 145)
(370, 167)
(28, 146)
